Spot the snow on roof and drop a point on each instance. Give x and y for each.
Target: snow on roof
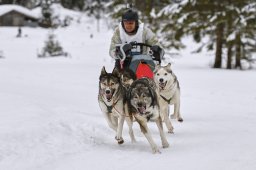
(8, 8)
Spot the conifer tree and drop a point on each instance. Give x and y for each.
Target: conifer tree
(52, 47)
(225, 23)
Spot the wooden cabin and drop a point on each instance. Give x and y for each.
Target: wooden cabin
(15, 15)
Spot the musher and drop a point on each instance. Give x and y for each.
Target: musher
(130, 30)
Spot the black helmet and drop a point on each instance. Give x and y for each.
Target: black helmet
(130, 15)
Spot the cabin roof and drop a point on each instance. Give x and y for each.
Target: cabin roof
(4, 9)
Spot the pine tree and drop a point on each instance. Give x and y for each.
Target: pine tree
(226, 23)
(96, 9)
(52, 47)
(46, 13)
(147, 10)
(73, 4)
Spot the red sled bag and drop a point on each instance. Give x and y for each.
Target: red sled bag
(142, 66)
(144, 70)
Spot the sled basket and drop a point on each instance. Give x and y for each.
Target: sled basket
(142, 66)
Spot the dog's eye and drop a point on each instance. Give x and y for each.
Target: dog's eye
(157, 74)
(165, 74)
(104, 84)
(112, 84)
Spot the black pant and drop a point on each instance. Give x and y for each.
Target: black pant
(126, 63)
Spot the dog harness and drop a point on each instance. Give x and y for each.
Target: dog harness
(110, 108)
(149, 116)
(167, 100)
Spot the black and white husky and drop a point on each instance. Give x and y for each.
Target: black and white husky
(143, 105)
(169, 93)
(111, 101)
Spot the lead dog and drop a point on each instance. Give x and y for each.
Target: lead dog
(143, 105)
(111, 96)
(169, 93)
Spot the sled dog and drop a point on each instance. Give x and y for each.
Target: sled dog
(169, 93)
(110, 97)
(143, 105)
(127, 78)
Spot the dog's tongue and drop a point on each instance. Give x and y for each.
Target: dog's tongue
(141, 109)
(108, 96)
(162, 85)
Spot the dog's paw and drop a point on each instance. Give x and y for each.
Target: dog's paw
(171, 130)
(119, 140)
(180, 119)
(166, 145)
(155, 150)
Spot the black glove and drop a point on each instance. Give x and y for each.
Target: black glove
(127, 48)
(156, 52)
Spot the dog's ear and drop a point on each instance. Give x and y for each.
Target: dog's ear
(116, 72)
(168, 67)
(103, 71)
(156, 68)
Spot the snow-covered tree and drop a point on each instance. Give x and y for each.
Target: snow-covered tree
(96, 9)
(225, 23)
(52, 47)
(73, 4)
(46, 13)
(147, 10)
(25, 3)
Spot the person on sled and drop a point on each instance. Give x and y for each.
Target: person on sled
(130, 30)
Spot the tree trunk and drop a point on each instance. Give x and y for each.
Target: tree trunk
(230, 43)
(229, 57)
(219, 43)
(238, 51)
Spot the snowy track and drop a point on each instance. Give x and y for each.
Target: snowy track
(50, 119)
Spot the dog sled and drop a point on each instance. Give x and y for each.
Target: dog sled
(141, 64)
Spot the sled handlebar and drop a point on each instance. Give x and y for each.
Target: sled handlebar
(134, 45)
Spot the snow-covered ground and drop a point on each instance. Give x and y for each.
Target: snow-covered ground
(50, 119)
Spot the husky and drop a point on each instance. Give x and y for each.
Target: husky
(169, 93)
(127, 77)
(111, 100)
(143, 105)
